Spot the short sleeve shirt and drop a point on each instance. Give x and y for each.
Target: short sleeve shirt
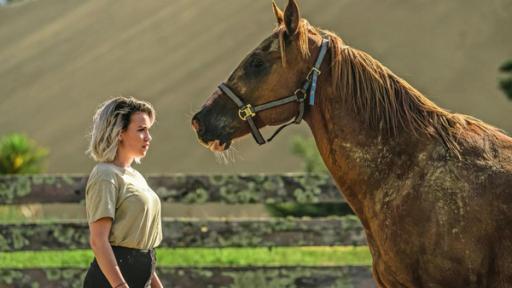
(123, 195)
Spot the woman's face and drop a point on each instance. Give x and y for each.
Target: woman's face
(135, 139)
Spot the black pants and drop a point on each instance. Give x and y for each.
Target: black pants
(137, 266)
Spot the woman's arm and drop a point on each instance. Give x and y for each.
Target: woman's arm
(100, 245)
(155, 281)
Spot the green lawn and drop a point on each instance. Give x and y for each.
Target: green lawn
(200, 257)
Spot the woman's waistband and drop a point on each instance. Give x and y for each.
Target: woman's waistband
(131, 250)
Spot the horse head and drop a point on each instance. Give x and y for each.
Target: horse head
(252, 97)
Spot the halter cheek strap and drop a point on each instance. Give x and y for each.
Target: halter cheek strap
(247, 112)
(315, 71)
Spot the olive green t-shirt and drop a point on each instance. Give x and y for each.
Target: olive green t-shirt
(123, 195)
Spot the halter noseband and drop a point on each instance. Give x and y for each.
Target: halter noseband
(246, 112)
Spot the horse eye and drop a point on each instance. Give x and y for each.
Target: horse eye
(256, 67)
(256, 63)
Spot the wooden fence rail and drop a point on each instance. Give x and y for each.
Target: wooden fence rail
(213, 277)
(191, 189)
(271, 232)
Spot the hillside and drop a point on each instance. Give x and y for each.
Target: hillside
(60, 58)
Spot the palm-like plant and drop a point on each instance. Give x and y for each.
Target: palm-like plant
(20, 155)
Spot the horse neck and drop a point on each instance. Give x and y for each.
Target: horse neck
(359, 159)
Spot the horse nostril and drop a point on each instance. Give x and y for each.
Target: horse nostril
(196, 125)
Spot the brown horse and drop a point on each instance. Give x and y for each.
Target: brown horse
(433, 189)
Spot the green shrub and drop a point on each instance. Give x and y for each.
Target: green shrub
(305, 148)
(309, 210)
(20, 155)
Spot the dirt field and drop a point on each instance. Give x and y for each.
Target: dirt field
(60, 58)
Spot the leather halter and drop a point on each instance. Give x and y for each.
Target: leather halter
(247, 112)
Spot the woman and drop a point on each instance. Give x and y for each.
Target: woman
(122, 211)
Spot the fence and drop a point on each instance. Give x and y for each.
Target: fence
(230, 189)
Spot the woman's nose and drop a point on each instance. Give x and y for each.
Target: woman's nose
(148, 137)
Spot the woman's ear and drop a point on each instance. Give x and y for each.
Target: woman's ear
(291, 17)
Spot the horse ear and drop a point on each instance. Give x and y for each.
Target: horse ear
(278, 13)
(291, 17)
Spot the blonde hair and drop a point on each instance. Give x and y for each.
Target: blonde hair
(112, 118)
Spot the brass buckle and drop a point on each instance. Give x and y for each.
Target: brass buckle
(313, 69)
(246, 112)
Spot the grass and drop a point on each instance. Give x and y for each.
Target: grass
(203, 257)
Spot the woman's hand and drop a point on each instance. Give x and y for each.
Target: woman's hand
(122, 285)
(155, 281)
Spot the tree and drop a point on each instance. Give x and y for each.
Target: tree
(506, 81)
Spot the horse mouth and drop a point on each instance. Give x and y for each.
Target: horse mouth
(217, 145)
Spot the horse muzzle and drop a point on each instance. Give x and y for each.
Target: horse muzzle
(215, 142)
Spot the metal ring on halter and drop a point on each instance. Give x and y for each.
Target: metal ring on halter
(300, 91)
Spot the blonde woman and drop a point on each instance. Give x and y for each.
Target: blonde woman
(123, 212)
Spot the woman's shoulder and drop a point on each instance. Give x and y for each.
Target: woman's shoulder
(106, 171)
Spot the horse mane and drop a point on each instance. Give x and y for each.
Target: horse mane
(382, 100)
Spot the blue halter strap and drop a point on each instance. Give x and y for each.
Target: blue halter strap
(315, 71)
